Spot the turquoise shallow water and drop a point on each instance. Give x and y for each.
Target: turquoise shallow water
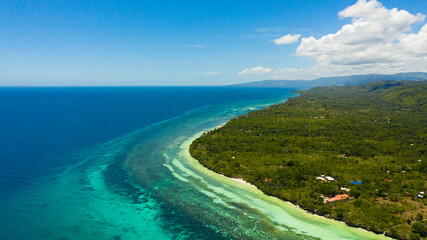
(145, 185)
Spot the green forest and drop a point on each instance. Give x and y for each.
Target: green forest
(375, 133)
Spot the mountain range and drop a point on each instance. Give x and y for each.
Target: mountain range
(335, 81)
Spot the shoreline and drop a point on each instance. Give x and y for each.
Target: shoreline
(242, 182)
(283, 149)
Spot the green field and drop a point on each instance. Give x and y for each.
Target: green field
(375, 133)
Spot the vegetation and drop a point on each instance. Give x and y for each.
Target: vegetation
(376, 133)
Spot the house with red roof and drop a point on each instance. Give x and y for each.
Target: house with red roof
(337, 198)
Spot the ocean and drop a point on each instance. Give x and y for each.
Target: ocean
(113, 163)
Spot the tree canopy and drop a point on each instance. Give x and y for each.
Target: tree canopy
(375, 133)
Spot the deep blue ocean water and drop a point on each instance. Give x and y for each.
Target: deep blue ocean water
(39, 125)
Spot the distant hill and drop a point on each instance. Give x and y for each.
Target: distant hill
(335, 81)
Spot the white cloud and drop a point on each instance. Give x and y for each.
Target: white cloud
(287, 39)
(255, 70)
(379, 40)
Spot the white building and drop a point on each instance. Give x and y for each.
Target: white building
(329, 178)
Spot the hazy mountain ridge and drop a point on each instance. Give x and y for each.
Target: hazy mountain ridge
(335, 81)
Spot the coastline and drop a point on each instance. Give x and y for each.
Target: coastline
(285, 149)
(289, 207)
(240, 180)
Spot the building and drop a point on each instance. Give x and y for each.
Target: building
(337, 198)
(325, 178)
(329, 178)
(356, 183)
(321, 178)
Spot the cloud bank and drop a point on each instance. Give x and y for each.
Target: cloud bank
(378, 40)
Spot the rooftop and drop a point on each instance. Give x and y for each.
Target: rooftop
(338, 198)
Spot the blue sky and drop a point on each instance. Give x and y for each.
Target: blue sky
(196, 42)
